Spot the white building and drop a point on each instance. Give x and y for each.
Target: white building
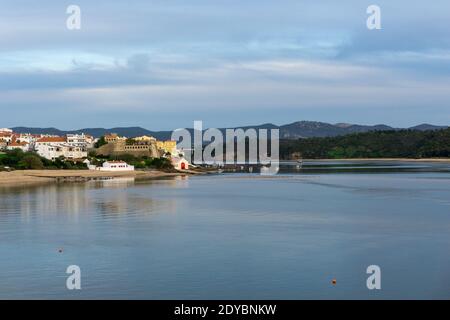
(180, 163)
(6, 136)
(80, 140)
(6, 130)
(24, 146)
(116, 166)
(48, 141)
(55, 147)
(111, 166)
(28, 138)
(65, 151)
(23, 141)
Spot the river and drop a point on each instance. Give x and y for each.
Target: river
(234, 236)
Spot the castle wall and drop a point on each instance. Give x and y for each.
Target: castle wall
(120, 147)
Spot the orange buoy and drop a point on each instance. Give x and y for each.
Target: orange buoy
(333, 281)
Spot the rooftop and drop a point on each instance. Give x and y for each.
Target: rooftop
(52, 139)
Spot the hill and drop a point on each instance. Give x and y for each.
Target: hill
(295, 130)
(376, 144)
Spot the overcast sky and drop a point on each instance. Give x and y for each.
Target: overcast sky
(163, 64)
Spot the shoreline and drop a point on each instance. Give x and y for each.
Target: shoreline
(437, 160)
(39, 177)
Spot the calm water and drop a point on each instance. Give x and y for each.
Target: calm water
(233, 236)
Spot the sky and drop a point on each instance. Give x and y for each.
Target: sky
(163, 64)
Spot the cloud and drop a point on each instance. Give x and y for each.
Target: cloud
(139, 62)
(157, 57)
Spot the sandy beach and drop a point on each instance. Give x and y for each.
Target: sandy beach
(32, 177)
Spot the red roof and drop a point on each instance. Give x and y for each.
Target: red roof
(52, 139)
(18, 144)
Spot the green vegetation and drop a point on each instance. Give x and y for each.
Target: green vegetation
(31, 161)
(101, 142)
(375, 144)
(138, 162)
(17, 159)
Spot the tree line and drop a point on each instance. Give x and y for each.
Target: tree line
(374, 144)
(20, 160)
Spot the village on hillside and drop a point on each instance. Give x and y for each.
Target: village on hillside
(83, 148)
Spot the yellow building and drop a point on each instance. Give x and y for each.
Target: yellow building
(144, 138)
(169, 146)
(113, 137)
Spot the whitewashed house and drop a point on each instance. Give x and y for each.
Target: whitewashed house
(180, 163)
(6, 136)
(80, 140)
(110, 166)
(65, 151)
(26, 137)
(22, 145)
(89, 165)
(55, 147)
(116, 166)
(16, 143)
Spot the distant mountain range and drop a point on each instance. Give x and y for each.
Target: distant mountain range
(98, 132)
(295, 130)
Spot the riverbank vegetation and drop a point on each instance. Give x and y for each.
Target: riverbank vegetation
(138, 162)
(374, 144)
(19, 160)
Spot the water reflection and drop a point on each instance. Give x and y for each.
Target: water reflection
(122, 197)
(363, 166)
(114, 183)
(239, 236)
